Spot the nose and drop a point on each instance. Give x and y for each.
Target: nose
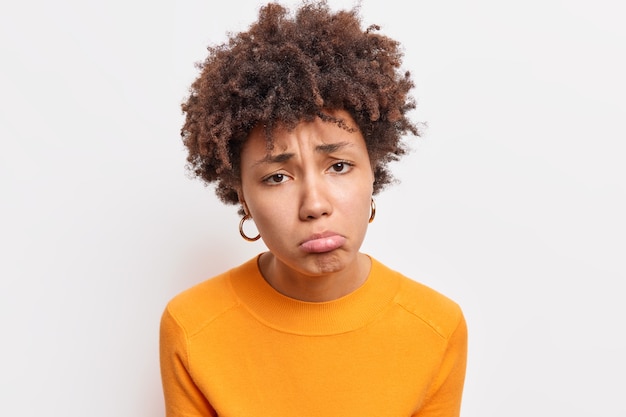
(315, 201)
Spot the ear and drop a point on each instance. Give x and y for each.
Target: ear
(242, 201)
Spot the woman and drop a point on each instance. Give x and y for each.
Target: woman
(295, 121)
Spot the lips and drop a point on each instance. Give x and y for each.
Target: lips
(322, 242)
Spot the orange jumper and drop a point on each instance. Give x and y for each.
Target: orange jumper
(232, 346)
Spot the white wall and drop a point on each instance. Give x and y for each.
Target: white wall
(513, 202)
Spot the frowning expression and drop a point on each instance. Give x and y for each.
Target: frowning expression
(310, 196)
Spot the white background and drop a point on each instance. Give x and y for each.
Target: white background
(512, 202)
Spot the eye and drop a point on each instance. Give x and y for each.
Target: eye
(275, 179)
(340, 167)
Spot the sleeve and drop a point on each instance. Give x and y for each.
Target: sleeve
(182, 397)
(444, 396)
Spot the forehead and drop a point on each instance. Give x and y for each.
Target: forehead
(327, 132)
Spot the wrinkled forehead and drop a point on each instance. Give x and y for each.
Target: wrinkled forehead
(275, 135)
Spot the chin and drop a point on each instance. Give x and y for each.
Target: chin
(329, 262)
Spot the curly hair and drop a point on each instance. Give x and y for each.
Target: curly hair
(292, 68)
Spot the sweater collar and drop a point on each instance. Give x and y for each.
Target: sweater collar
(345, 314)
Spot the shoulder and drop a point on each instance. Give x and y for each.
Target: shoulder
(428, 305)
(198, 306)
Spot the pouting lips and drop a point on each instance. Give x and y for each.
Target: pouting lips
(323, 243)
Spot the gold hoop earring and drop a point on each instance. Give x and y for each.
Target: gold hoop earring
(243, 234)
(373, 211)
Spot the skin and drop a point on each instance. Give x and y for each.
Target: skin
(310, 199)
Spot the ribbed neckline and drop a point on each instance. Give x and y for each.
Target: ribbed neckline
(286, 314)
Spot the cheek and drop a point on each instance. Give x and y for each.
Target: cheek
(355, 206)
(271, 213)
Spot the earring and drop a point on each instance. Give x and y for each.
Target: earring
(373, 211)
(243, 234)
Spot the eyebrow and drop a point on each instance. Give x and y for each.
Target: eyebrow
(325, 148)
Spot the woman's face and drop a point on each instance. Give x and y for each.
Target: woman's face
(310, 197)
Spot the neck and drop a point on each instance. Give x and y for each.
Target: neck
(314, 288)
